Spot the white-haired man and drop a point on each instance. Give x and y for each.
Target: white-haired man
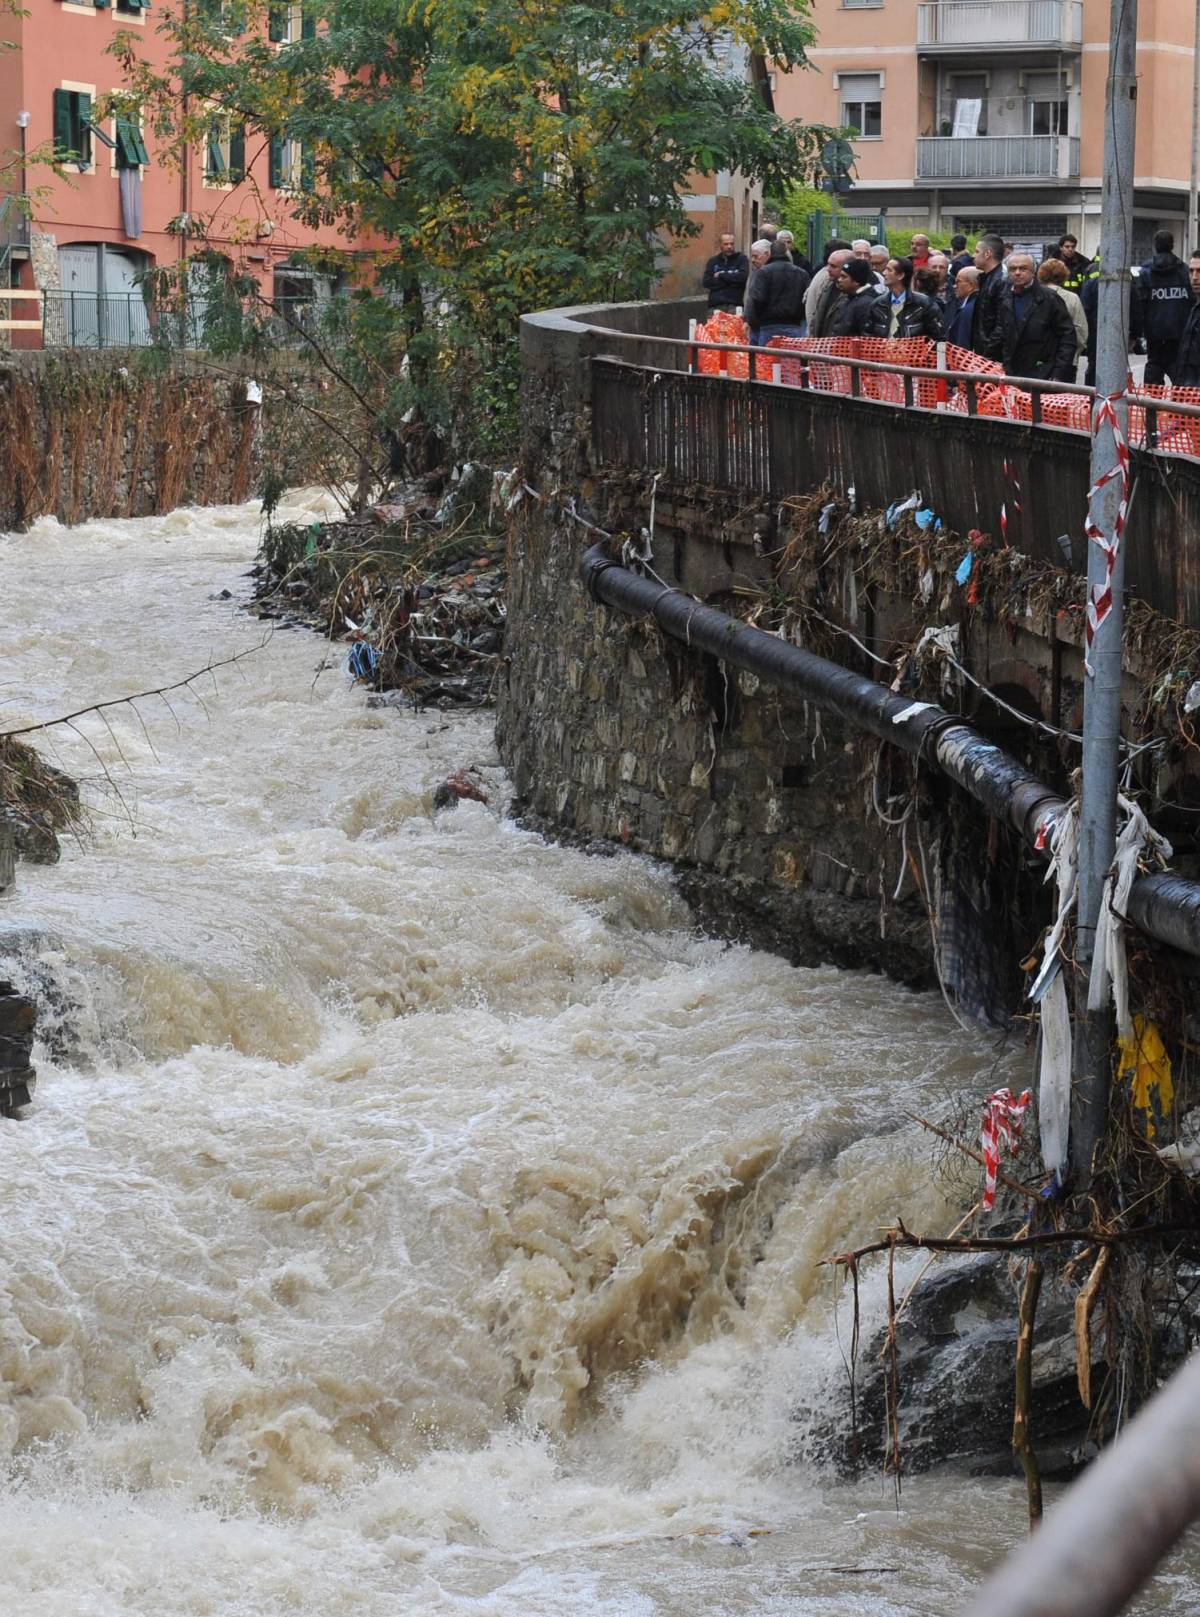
(760, 252)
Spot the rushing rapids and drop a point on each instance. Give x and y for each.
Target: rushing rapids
(413, 1216)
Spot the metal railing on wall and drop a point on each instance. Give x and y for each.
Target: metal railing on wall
(883, 430)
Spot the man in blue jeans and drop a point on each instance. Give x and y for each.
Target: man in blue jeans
(775, 302)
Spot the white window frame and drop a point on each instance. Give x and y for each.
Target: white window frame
(860, 99)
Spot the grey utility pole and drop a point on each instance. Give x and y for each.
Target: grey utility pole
(1092, 1063)
(1193, 223)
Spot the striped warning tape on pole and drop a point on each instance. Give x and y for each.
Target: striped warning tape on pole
(1100, 598)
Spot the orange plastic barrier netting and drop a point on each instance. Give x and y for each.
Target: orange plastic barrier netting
(785, 360)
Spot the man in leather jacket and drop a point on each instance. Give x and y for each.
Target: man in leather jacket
(989, 261)
(901, 312)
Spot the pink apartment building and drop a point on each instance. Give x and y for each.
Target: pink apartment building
(120, 210)
(978, 114)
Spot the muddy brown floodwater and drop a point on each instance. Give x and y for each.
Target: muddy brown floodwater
(414, 1217)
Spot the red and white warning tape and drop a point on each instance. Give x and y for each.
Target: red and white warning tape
(1003, 1118)
(1100, 598)
(1015, 481)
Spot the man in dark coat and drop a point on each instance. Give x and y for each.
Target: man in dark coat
(857, 281)
(1089, 297)
(989, 261)
(1185, 371)
(1162, 301)
(901, 312)
(1037, 334)
(1080, 267)
(960, 315)
(725, 276)
(962, 258)
(775, 304)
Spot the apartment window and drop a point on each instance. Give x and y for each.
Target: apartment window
(133, 8)
(968, 110)
(1048, 104)
(225, 152)
(860, 5)
(73, 127)
(290, 20)
(862, 103)
(293, 165)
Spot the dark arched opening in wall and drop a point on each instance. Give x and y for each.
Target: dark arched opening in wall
(102, 302)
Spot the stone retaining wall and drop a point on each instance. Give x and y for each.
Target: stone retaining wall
(767, 807)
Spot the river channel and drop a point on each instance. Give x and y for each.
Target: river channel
(413, 1216)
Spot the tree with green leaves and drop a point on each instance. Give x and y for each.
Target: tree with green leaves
(508, 155)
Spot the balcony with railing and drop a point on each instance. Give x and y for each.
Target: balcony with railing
(946, 159)
(1007, 25)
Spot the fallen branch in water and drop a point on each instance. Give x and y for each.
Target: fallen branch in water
(898, 1236)
(162, 691)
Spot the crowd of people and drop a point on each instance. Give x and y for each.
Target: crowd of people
(1036, 319)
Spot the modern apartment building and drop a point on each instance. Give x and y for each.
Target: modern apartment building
(119, 210)
(976, 114)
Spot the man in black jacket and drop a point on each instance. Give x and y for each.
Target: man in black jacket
(857, 282)
(901, 312)
(725, 276)
(1162, 301)
(1080, 267)
(989, 261)
(1185, 371)
(775, 303)
(1037, 334)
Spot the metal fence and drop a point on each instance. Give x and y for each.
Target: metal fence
(97, 320)
(773, 441)
(128, 320)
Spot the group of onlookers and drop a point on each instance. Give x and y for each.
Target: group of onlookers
(1036, 320)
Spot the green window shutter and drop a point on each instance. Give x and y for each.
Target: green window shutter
(83, 114)
(276, 167)
(215, 167)
(308, 23)
(64, 132)
(126, 145)
(139, 146)
(308, 169)
(237, 153)
(277, 17)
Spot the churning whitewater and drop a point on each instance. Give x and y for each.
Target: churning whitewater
(414, 1217)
